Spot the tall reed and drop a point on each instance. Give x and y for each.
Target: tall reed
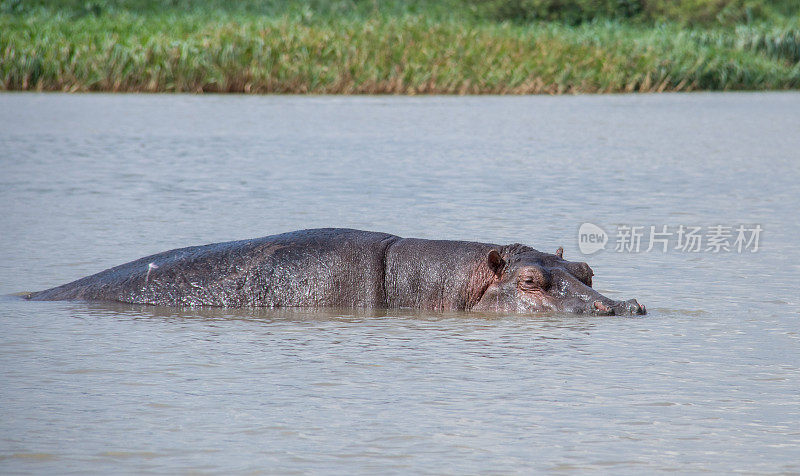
(191, 51)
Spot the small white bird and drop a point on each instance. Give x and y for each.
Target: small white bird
(150, 267)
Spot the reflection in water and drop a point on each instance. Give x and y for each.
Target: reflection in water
(299, 314)
(706, 382)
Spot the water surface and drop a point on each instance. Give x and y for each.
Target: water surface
(706, 382)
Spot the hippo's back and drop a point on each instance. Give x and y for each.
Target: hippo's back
(320, 267)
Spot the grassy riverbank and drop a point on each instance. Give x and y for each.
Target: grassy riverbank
(411, 47)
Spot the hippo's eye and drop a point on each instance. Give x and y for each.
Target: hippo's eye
(533, 278)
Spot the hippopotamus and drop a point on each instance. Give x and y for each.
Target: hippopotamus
(334, 267)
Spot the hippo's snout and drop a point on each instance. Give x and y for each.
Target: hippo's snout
(620, 308)
(630, 308)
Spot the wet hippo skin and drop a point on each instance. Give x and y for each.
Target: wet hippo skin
(333, 267)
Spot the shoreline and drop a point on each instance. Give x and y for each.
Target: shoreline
(409, 55)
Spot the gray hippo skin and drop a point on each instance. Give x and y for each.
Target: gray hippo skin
(333, 267)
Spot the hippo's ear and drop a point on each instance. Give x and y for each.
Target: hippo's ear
(560, 252)
(496, 262)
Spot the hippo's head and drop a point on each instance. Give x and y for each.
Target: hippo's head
(526, 280)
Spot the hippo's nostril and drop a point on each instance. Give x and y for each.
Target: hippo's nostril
(627, 308)
(635, 308)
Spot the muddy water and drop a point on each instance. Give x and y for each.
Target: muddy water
(707, 381)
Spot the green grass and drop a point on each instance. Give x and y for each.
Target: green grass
(395, 47)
